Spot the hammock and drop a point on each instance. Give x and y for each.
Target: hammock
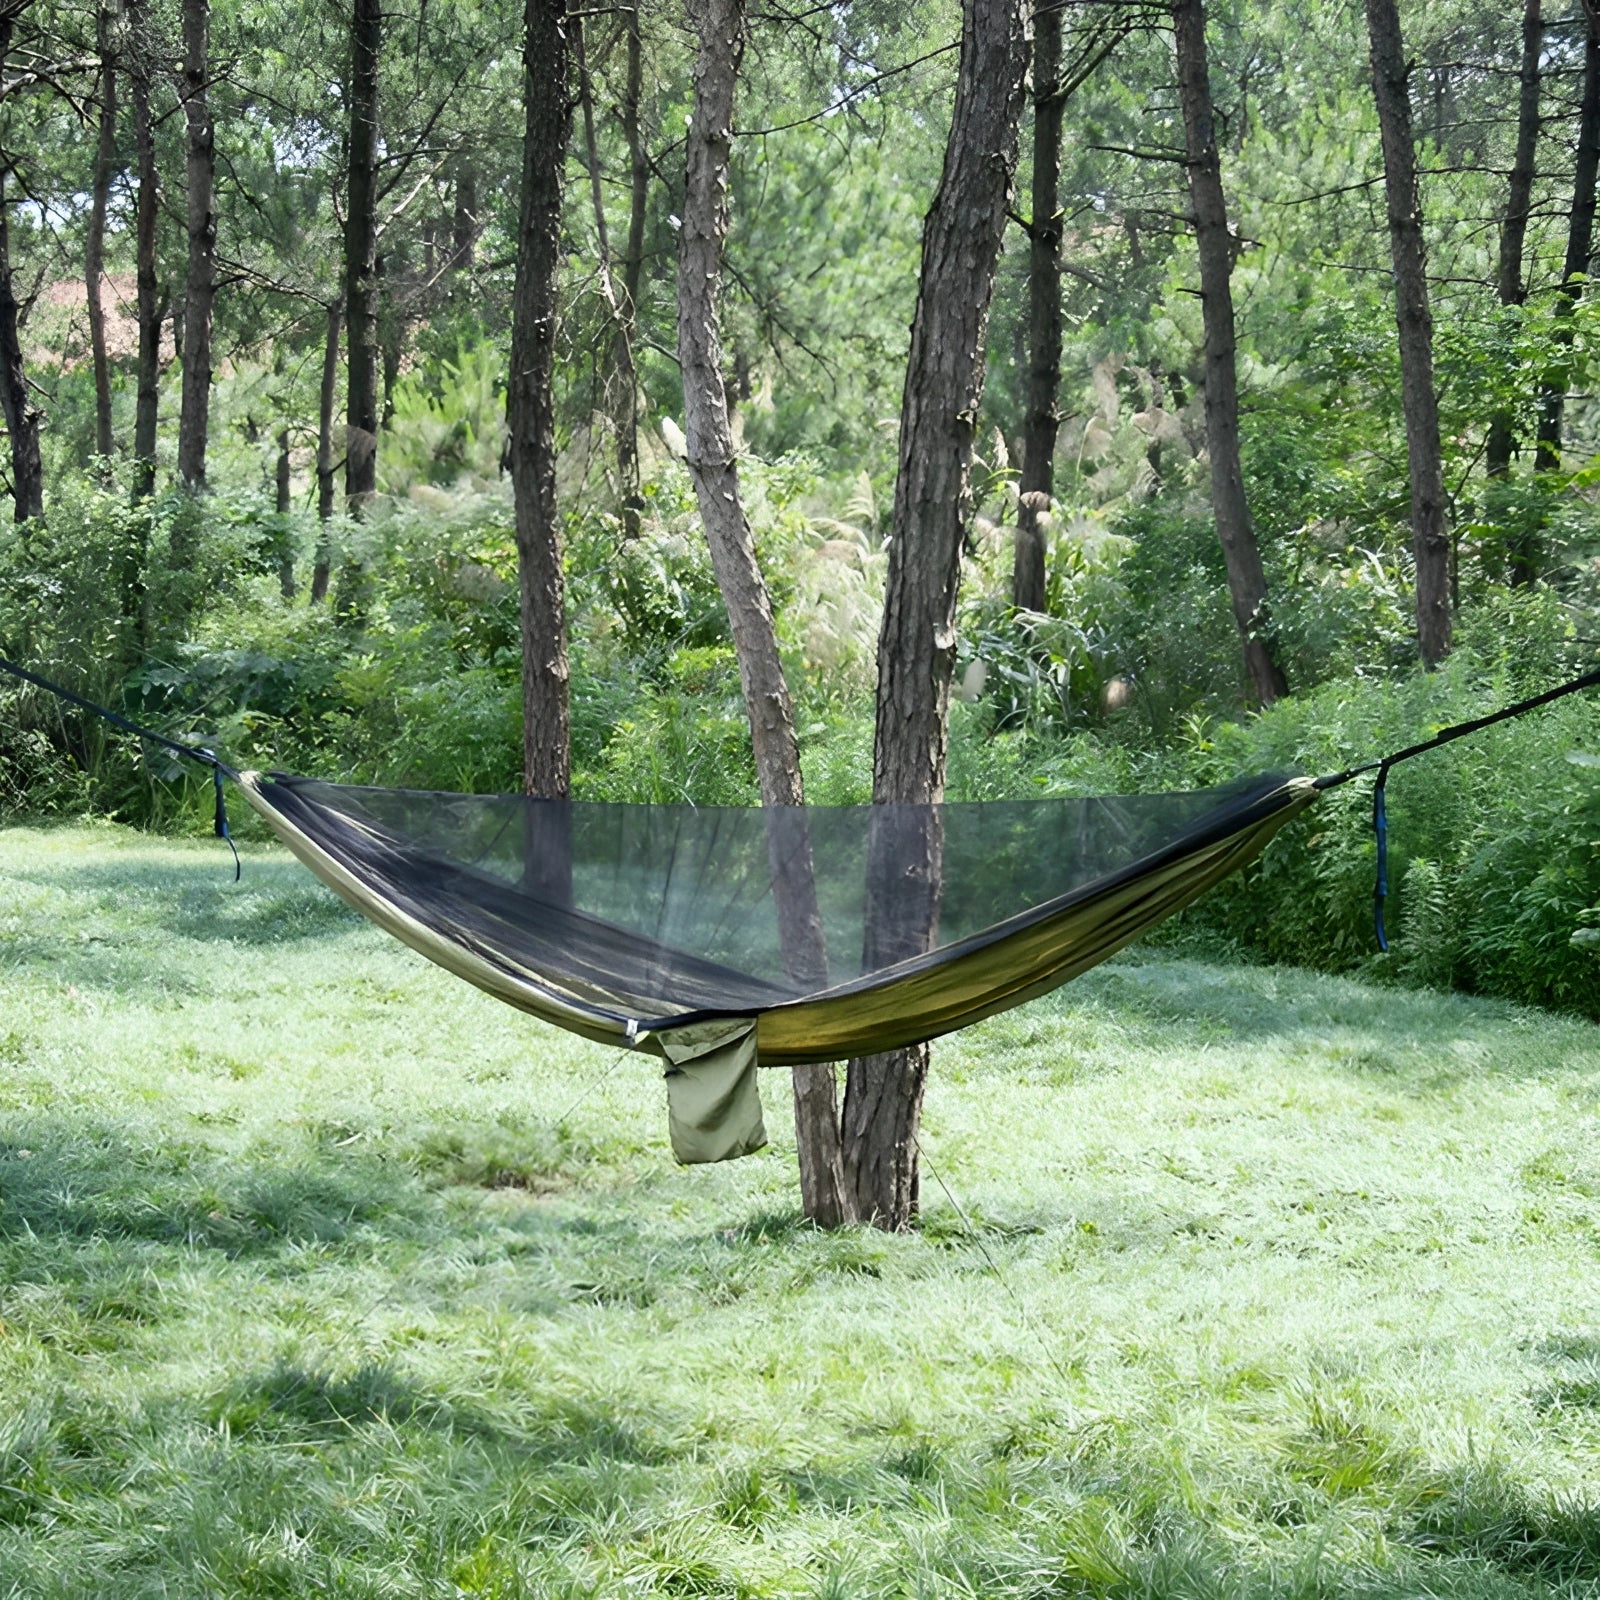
(627, 922)
(672, 928)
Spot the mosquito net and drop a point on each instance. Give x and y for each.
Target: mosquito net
(664, 914)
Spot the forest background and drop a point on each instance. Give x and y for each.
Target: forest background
(281, 513)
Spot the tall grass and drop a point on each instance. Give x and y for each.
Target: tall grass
(322, 1274)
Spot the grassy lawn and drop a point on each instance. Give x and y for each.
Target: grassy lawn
(320, 1273)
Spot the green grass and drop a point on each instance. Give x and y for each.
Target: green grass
(320, 1273)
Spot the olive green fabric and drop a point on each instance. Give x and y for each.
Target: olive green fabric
(920, 999)
(527, 991)
(713, 1104)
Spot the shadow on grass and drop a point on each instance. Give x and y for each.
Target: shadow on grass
(62, 1177)
(1404, 1033)
(542, 1430)
(276, 902)
(1482, 1516)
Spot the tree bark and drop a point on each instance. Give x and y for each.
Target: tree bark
(1502, 441)
(532, 443)
(633, 256)
(1580, 250)
(1430, 540)
(932, 503)
(327, 467)
(713, 465)
(638, 167)
(200, 288)
(391, 332)
(1044, 314)
(283, 484)
(464, 223)
(21, 415)
(147, 217)
(94, 251)
(624, 376)
(1247, 583)
(361, 260)
(16, 403)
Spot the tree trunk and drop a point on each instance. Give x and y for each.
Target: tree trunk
(1247, 583)
(932, 503)
(16, 403)
(530, 404)
(21, 415)
(200, 289)
(1044, 314)
(713, 466)
(327, 467)
(638, 167)
(464, 223)
(94, 250)
(147, 217)
(391, 331)
(361, 260)
(1430, 540)
(633, 257)
(283, 484)
(624, 376)
(1502, 441)
(1580, 248)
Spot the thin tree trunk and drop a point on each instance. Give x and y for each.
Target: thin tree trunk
(391, 333)
(16, 403)
(638, 166)
(283, 484)
(1580, 250)
(200, 289)
(1430, 541)
(932, 503)
(530, 404)
(464, 223)
(1044, 314)
(625, 377)
(360, 259)
(21, 415)
(1247, 583)
(713, 465)
(327, 467)
(1502, 441)
(633, 256)
(94, 251)
(147, 217)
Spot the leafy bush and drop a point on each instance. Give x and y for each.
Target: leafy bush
(1494, 840)
(689, 740)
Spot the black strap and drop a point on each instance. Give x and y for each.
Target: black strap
(206, 757)
(1459, 730)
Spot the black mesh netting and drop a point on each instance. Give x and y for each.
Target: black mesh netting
(674, 907)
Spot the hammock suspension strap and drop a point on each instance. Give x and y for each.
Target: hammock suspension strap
(1380, 819)
(198, 753)
(1458, 730)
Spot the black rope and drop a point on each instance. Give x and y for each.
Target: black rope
(200, 753)
(1458, 730)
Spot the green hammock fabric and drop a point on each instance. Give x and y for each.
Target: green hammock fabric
(628, 924)
(713, 1105)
